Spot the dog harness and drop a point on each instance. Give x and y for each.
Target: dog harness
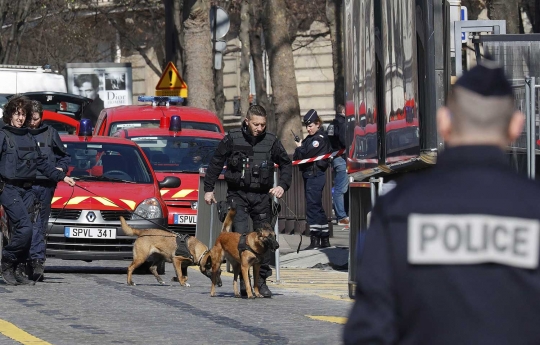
(242, 246)
(182, 248)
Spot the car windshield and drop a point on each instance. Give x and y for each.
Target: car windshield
(108, 162)
(204, 126)
(178, 154)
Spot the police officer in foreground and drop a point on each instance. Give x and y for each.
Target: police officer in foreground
(20, 159)
(250, 153)
(315, 144)
(51, 146)
(451, 256)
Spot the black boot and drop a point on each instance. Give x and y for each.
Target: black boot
(37, 270)
(263, 289)
(325, 242)
(8, 272)
(20, 275)
(243, 291)
(315, 243)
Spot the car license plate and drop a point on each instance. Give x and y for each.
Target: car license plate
(74, 232)
(184, 219)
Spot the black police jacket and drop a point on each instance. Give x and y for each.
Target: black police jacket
(51, 146)
(451, 257)
(313, 146)
(226, 148)
(21, 158)
(337, 132)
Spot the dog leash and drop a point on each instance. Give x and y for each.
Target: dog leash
(274, 208)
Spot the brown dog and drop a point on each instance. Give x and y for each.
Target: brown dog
(162, 245)
(258, 243)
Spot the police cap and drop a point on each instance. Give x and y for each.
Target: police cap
(486, 79)
(310, 117)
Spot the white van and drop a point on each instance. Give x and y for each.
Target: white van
(18, 79)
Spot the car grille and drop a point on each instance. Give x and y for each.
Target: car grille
(115, 215)
(182, 229)
(59, 242)
(65, 214)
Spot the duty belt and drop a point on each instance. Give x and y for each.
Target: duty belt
(19, 183)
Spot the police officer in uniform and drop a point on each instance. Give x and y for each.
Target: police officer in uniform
(250, 153)
(52, 147)
(451, 256)
(315, 144)
(20, 159)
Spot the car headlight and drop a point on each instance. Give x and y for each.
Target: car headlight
(194, 205)
(148, 209)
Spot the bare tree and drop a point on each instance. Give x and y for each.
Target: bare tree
(256, 50)
(198, 55)
(282, 73)
(507, 10)
(14, 14)
(245, 56)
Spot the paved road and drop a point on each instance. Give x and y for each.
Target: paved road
(82, 303)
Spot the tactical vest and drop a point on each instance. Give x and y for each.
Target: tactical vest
(45, 142)
(19, 161)
(250, 167)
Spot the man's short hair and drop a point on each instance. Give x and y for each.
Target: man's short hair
(14, 104)
(37, 108)
(256, 110)
(340, 109)
(87, 78)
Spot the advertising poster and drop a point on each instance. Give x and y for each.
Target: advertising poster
(107, 84)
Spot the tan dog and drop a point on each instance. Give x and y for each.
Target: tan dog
(162, 245)
(258, 243)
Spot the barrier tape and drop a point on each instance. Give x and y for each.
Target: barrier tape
(318, 158)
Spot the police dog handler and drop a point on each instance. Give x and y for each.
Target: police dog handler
(20, 159)
(315, 144)
(52, 147)
(250, 152)
(451, 256)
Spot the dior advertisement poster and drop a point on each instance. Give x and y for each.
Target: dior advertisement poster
(107, 84)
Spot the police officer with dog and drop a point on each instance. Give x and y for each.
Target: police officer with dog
(451, 256)
(250, 153)
(52, 147)
(20, 159)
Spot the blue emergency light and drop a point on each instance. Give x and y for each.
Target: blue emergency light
(85, 128)
(161, 100)
(176, 124)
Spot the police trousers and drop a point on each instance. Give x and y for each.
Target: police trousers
(44, 192)
(16, 202)
(258, 207)
(314, 182)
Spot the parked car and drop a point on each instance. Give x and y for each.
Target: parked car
(148, 116)
(176, 151)
(114, 178)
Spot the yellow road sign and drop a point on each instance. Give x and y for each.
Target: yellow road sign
(171, 84)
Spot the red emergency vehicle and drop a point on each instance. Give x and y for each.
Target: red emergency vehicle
(113, 119)
(114, 178)
(176, 151)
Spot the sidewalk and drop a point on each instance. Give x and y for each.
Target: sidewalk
(336, 257)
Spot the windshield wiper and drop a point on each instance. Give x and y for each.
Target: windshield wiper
(101, 178)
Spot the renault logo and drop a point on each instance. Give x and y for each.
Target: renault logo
(91, 216)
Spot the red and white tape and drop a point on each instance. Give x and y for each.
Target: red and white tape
(318, 158)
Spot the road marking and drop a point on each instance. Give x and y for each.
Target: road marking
(11, 331)
(334, 319)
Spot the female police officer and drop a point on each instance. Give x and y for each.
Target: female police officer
(20, 159)
(315, 144)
